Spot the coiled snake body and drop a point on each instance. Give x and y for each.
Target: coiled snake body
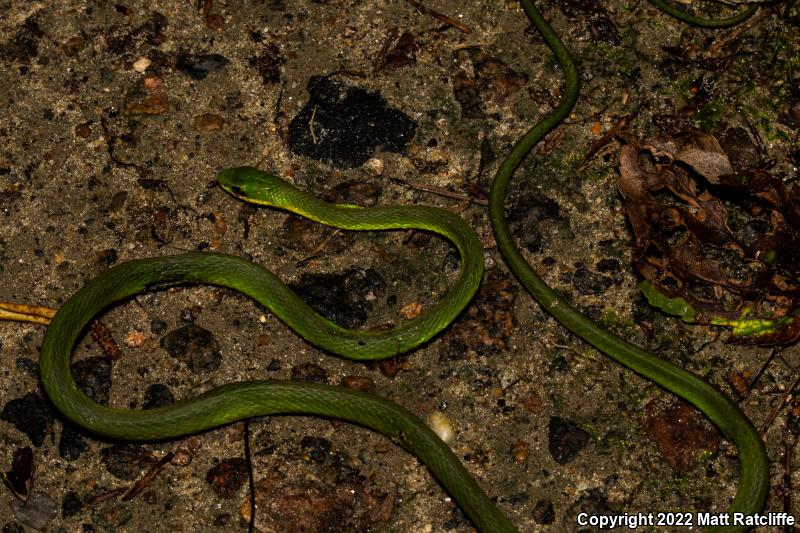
(234, 402)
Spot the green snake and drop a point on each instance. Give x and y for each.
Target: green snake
(238, 401)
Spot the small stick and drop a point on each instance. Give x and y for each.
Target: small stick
(787, 480)
(772, 414)
(103, 337)
(441, 192)
(251, 482)
(35, 314)
(145, 480)
(761, 370)
(602, 141)
(100, 498)
(311, 124)
(440, 16)
(319, 246)
(734, 34)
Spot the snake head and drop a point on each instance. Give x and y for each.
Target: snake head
(253, 185)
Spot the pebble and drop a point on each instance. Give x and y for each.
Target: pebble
(141, 65)
(566, 439)
(36, 512)
(228, 477)
(31, 415)
(442, 426)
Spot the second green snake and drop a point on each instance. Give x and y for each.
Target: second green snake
(242, 400)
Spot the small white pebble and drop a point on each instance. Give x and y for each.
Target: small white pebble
(374, 166)
(442, 426)
(141, 64)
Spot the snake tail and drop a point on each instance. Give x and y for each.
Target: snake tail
(667, 7)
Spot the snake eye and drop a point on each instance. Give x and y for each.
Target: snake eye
(235, 189)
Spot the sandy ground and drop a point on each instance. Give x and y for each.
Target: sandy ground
(116, 118)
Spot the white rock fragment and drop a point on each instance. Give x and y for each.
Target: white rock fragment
(442, 426)
(141, 65)
(374, 166)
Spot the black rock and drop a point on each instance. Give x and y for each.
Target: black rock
(71, 443)
(157, 395)
(566, 439)
(345, 299)
(199, 66)
(93, 376)
(194, 346)
(31, 415)
(345, 125)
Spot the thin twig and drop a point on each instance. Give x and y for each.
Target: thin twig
(379, 62)
(444, 18)
(35, 314)
(778, 406)
(459, 207)
(440, 191)
(734, 34)
(787, 480)
(319, 246)
(145, 480)
(761, 370)
(311, 124)
(248, 460)
(602, 141)
(100, 498)
(276, 115)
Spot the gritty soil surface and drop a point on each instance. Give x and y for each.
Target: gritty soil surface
(117, 116)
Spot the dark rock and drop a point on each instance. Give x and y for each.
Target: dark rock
(488, 82)
(588, 282)
(71, 443)
(228, 477)
(345, 299)
(527, 210)
(20, 478)
(315, 449)
(608, 266)
(268, 63)
(25, 43)
(309, 372)
(543, 512)
(157, 395)
(93, 377)
(566, 439)
(127, 461)
(28, 365)
(158, 326)
(349, 125)
(31, 415)
(199, 66)
(592, 20)
(71, 504)
(36, 512)
(194, 346)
